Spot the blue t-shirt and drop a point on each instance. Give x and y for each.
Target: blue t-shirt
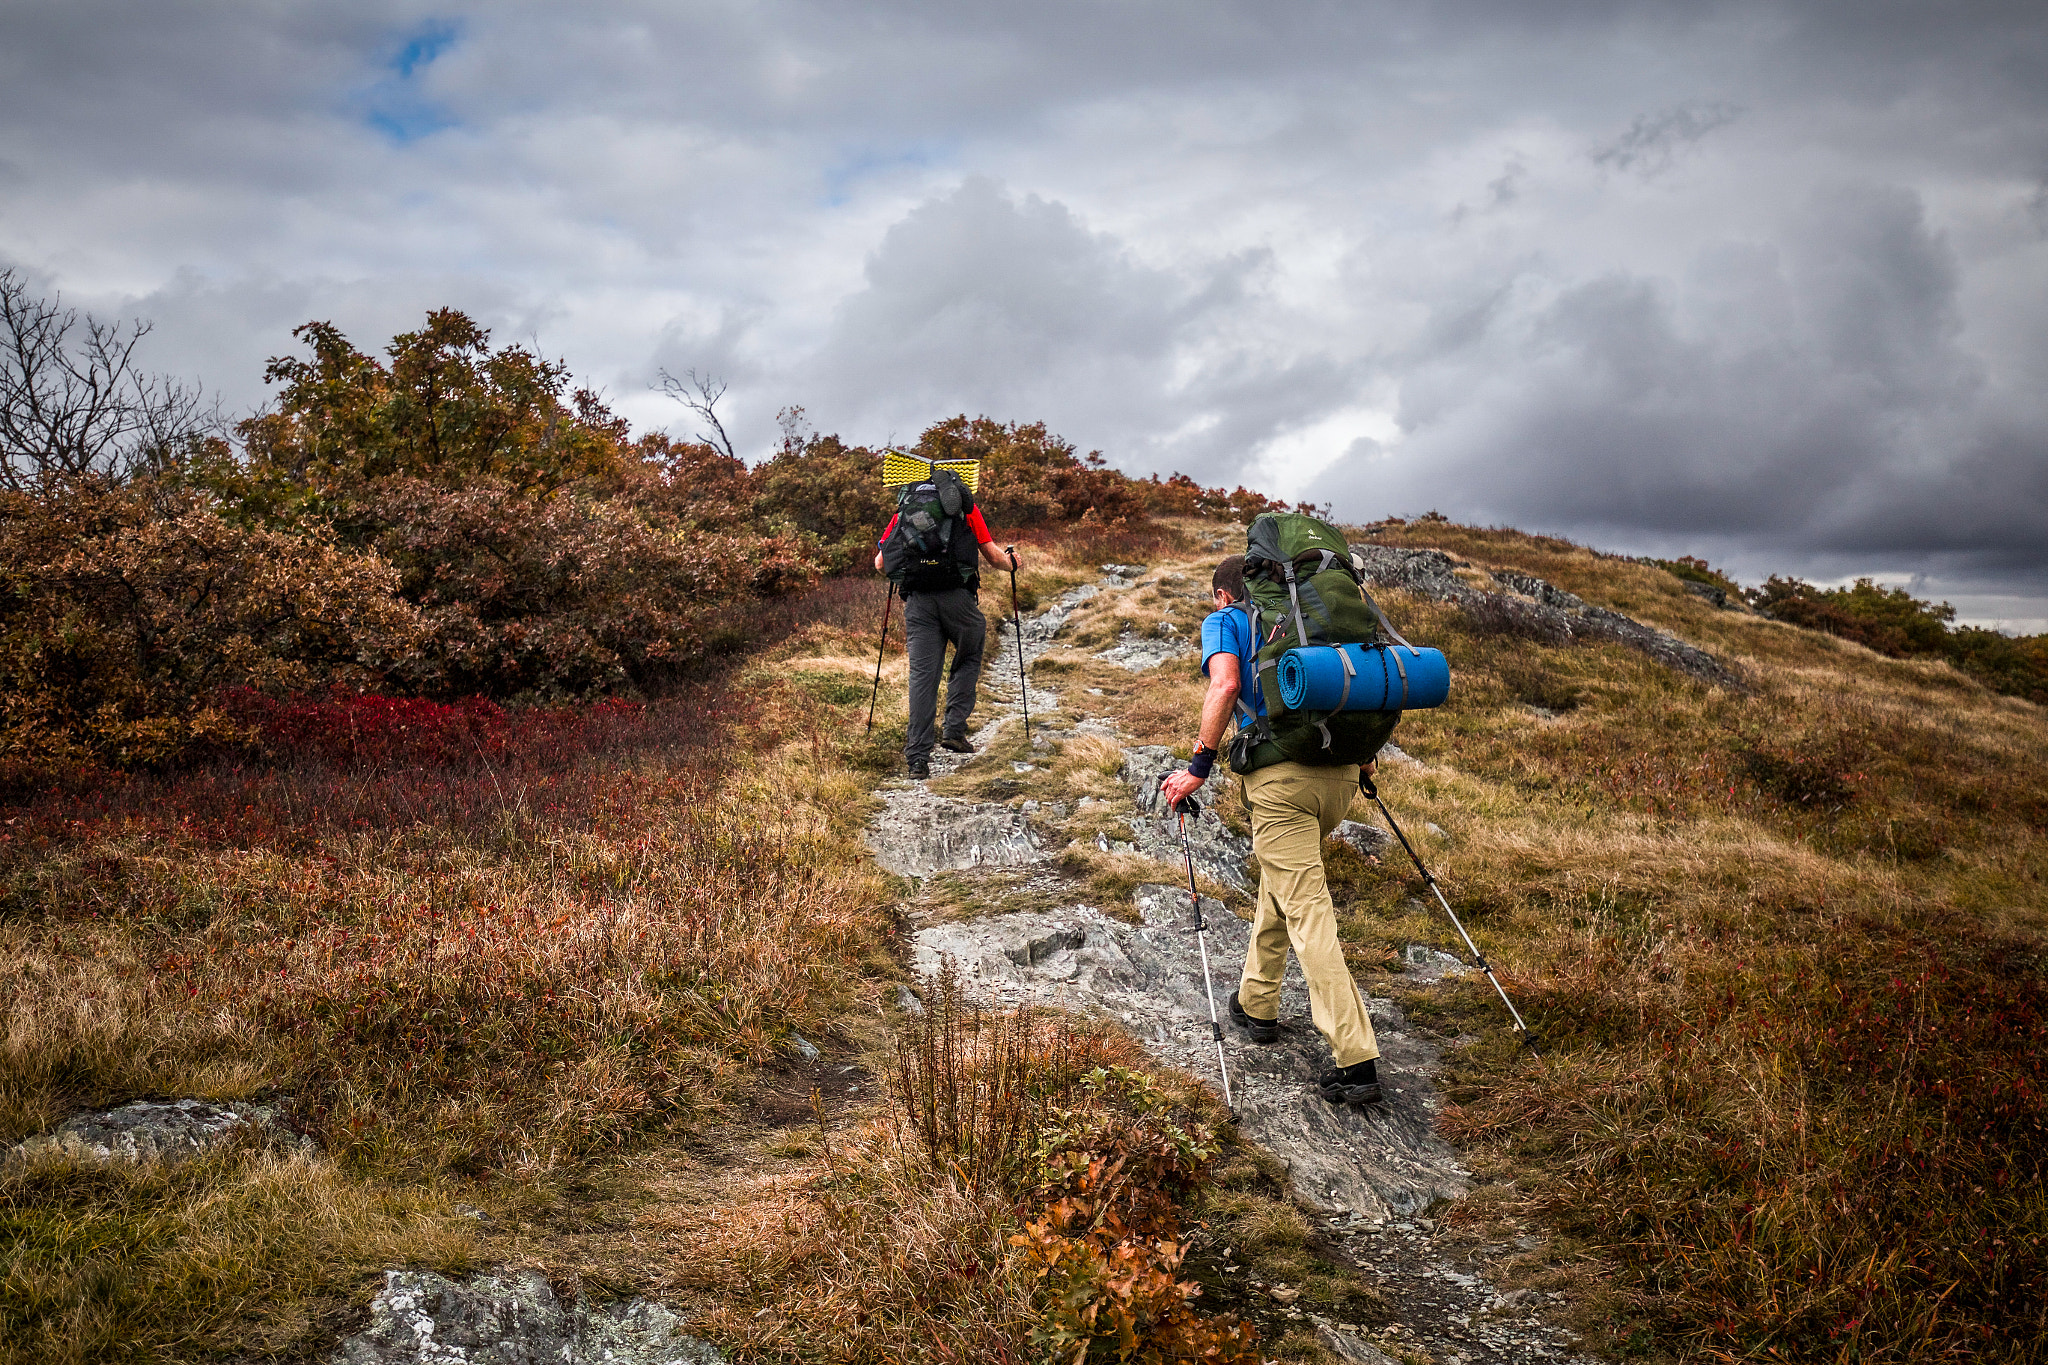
(1230, 632)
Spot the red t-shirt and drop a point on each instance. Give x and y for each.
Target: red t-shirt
(974, 523)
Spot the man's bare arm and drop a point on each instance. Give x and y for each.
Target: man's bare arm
(1220, 700)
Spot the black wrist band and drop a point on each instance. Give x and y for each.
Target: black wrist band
(1199, 765)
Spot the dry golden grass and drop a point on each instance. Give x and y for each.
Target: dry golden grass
(1784, 945)
(238, 1253)
(500, 975)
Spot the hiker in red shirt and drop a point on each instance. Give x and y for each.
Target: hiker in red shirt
(931, 551)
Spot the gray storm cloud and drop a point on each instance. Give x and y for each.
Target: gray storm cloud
(1767, 279)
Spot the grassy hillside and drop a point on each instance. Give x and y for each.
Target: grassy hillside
(1787, 944)
(1784, 944)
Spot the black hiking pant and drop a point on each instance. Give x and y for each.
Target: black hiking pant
(931, 621)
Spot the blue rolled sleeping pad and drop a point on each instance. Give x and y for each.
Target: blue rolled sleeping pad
(1382, 678)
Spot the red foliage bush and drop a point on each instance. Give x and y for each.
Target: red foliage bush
(1181, 496)
(126, 608)
(569, 595)
(357, 730)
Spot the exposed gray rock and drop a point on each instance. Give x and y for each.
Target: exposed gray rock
(513, 1317)
(165, 1130)
(909, 1001)
(1376, 1161)
(1348, 1346)
(1534, 608)
(1529, 585)
(1220, 854)
(1426, 573)
(1370, 840)
(1139, 654)
(1047, 624)
(920, 833)
(1131, 571)
(1718, 596)
(1424, 963)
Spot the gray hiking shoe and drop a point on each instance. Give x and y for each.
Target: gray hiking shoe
(1258, 1030)
(920, 767)
(1355, 1084)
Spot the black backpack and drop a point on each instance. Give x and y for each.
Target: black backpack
(932, 548)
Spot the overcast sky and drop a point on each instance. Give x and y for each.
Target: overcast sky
(1767, 283)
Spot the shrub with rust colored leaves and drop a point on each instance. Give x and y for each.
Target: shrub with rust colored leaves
(1098, 1160)
(1893, 621)
(568, 595)
(1031, 477)
(126, 609)
(1181, 496)
(1107, 1245)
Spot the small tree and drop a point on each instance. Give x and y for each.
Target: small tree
(76, 403)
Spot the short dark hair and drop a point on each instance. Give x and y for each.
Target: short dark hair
(1230, 578)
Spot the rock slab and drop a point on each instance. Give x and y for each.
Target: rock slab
(1375, 1162)
(513, 1317)
(920, 834)
(1220, 854)
(1534, 608)
(157, 1130)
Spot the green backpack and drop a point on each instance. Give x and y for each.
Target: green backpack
(1306, 589)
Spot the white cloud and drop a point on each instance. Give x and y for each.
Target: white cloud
(1755, 277)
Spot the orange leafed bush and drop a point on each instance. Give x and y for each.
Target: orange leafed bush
(568, 595)
(127, 608)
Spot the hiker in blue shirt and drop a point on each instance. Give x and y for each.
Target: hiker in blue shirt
(1293, 807)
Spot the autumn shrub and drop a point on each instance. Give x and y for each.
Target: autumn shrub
(1180, 496)
(1031, 477)
(823, 487)
(1890, 621)
(445, 408)
(127, 609)
(568, 595)
(2014, 665)
(1098, 1163)
(1893, 621)
(1106, 1243)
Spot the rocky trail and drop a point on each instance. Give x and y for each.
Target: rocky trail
(1020, 927)
(1018, 930)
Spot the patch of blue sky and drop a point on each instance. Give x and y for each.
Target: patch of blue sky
(844, 176)
(394, 105)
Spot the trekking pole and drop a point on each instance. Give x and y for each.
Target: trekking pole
(1365, 784)
(1017, 615)
(1202, 940)
(879, 651)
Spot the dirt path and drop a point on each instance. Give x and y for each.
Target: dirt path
(1021, 930)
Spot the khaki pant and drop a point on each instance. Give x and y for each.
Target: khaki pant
(1294, 807)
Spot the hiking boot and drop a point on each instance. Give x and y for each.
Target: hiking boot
(1258, 1030)
(919, 767)
(959, 744)
(1355, 1084)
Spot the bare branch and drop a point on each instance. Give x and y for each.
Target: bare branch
(701, 397)
(74, 401)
